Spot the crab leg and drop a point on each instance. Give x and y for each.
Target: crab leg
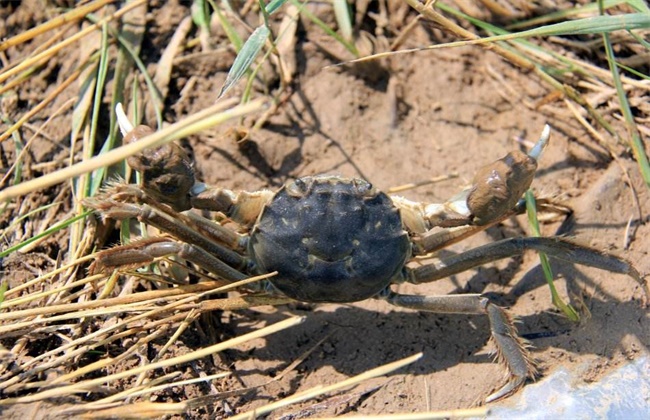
(118, 210)
(145, 251)
(511, 349)
(214, 230)
(553, 247)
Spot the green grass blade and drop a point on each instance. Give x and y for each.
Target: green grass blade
(597, 25)
(567, 309)
(81, 108)
(274, 5)
(639, 5)
(245, 58)
(343, 19)
(634, 72)
(563, 14)
(231, 33)
(634, 137)
(132, 32)
(3, 289)
(19, 220)
(53, 229)
(591, 25)
(134, 54)
(265, 14)
(348, 45)
(201, 14)
(97, 177)
(18, 168)
(640, 40)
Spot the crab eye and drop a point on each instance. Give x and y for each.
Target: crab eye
(297, 188)
(363, 187)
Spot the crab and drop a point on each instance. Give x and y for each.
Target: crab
(334, 239)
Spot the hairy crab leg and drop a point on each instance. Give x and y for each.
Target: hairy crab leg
(511, 349)
(214, 230)
(170, 223)
(145, 251)
(554, 247)
(130, 193)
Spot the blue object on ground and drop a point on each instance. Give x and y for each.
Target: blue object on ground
(623, 394)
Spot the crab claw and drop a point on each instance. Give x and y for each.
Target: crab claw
(122, 120)
(167, 171)
(497, 187)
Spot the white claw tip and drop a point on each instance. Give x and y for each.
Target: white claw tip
(537, 150)
(122, 120)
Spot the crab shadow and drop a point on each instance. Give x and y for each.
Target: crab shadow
(358, 339)
(296, 126)
(299, 122)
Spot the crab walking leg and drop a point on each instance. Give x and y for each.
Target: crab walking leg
(215, 231)
(128, 193)
(167, 223)
(511, 349)
(553, 247)
(145, 251)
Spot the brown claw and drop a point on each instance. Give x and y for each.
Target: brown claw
(498, 186)
(167, 170)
